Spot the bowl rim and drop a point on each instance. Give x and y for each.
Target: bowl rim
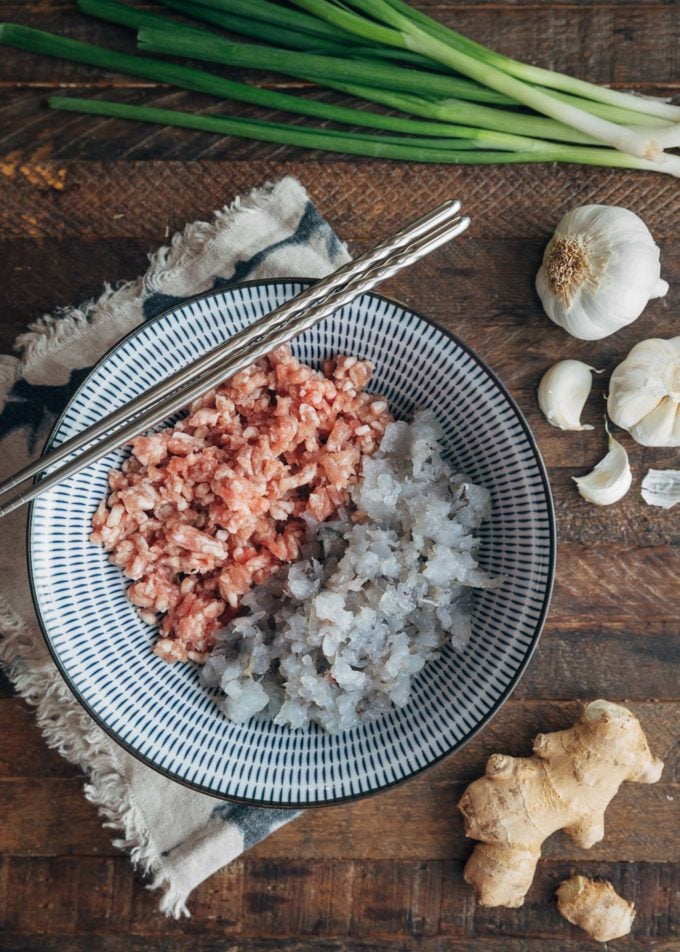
(493, 711)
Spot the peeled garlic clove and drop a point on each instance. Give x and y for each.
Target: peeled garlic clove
(644, 393)
(661, 487)
(562, 394)
(611, 478)
(599, 270)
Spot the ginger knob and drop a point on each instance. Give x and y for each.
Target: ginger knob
(595, 907)
(566, 785)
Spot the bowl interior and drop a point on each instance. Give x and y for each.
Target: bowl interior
(161, 712)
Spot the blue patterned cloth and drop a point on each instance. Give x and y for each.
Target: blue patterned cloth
(176, 835)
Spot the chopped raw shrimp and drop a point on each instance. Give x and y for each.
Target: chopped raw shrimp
(203, 511)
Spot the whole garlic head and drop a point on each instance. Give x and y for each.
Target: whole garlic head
(599, 270)
(562, 394)
(644, 393)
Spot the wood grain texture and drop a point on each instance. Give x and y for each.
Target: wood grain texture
(84, 201)
(338, 902)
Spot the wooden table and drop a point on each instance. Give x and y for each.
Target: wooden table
(85, 200)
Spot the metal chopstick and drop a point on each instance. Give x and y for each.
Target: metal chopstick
(267, 341)
(317, 292)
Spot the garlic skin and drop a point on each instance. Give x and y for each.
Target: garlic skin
(599, 270)
(661, 487)
(562, 394)
(644, 393)
(610, 480)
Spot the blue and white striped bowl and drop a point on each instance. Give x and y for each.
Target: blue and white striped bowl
(160, 712)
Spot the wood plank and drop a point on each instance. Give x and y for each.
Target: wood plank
(397, 900)
(38, 809)
(28, 123)
(491, 278)
(585, 663)
(374, 828)
(630, 523)
(94, 943)
(616, 586)
(640, 665)
(370, 829)
(363, 200)
(46, 275)
(429, 807)
(483, 289)
(602, 43)
(24, 752)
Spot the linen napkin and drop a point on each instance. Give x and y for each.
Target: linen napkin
(177, 836)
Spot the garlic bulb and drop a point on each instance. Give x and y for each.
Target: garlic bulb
(562, 394)
(661, 487)
(611, 478)
(599, 270)
(644, 393)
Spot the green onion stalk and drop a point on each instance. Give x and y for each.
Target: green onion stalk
(657, 109)
(387, 75)
(393, 85)
(125, 15)
(216, 14)
(199, 81)
(394, 28)
(348, 143)
(161, 34)
(623, 108)
(196, 80)
(284, 17)
(262, 30)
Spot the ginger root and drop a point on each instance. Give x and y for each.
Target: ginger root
(596, 907)
(566, 786)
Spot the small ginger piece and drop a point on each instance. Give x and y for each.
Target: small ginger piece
(566, 785)
(595, 907)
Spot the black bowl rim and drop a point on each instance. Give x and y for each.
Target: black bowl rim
(349, 798)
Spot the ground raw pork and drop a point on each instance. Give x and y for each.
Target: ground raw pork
(204, 510)
(337, 637)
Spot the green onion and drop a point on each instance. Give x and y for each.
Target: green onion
(350, 77)
(211, 47)
(126, 15)
(403, 32)
(351, 46)
(283, 17)
(216, 49)
(49, 44)
(625, 117)
(347, 143)
(384, 75)
(535, 74)
(262, 30)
